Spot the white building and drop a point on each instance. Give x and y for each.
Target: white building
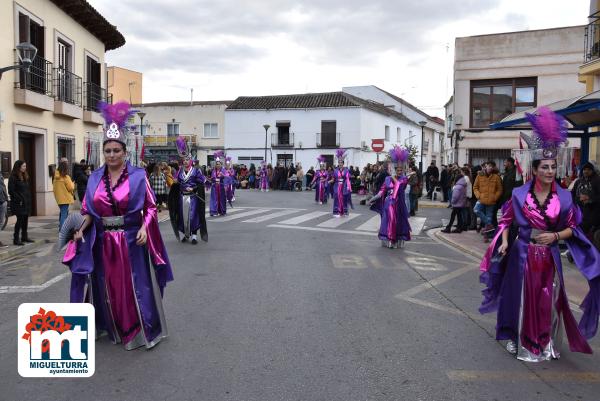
(496, 75)
(50, 111)
(202, 122)
(304, 126)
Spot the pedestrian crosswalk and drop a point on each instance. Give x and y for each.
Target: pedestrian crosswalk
(354, 223)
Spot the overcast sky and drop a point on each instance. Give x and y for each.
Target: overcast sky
(229, 48)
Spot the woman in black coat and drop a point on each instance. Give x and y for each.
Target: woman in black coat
(20, 200)
(82, 180)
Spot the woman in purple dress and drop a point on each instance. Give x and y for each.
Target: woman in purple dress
(321, 182)
(264, 177)
(342, 189)
(111, 268)
(523, 275)
(218, 199)
(230, 180)
(389, 202)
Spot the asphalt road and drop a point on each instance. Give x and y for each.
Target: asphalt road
(277, 308)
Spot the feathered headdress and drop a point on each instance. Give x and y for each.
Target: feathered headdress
(228, 160)
(219, 155)
(183, 147)
(550, 131)
(340, 154)
(321, 159)
(398, 155)
(115, 117)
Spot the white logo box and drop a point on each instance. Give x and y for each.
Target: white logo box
(77, 362)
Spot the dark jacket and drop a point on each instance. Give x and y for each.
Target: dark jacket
(380, 179)
(433, 174)
(82, 181)
(3, 191)
(509, 182)
(445, 179)
(591, 209)
(20, 196)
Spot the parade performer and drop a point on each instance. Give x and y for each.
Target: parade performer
(342, 190)
(321, 182)
(218, 199)
(230, 180)
(187, 198)
(389, 202)
(264, 177)
(110, 266)
(524, 275)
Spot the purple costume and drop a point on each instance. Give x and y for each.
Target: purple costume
(526, 286)
(189, 220)
(111, 271)
(218, 201)
(264, 179)
(392, 208)
(321, 179)
(230, 183)
(342, 191)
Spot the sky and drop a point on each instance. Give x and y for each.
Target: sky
(229, 48)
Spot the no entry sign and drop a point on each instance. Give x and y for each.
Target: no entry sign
(377, 145)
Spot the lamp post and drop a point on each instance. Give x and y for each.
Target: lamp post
(266, 127)
(422, 124)
(141, 114)
(26, 53)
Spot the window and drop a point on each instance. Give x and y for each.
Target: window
(492, 100)
(410, 138)
(65, 147)
(285, 160)
(398, 134)
(387, 133)
(211, 130)
(173, 129)
(328, 133)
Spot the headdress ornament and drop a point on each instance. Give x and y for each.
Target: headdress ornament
(116, 117)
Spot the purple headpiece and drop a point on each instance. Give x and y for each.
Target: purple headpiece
(340, 154)
(183, 148)
(115, 117)
(228, 160)
(321, 159)
(550, 131)
(219, 155)
(398, 155)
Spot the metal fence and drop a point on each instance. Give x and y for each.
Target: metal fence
(328, 140)
(67, 86)
(93, 94)
(38, 78)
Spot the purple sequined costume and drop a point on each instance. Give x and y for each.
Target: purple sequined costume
(392, 208)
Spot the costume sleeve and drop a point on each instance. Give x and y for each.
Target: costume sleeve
(84, 208)
(156, 247)
(508, 215)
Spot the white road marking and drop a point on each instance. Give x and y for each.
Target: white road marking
(338, 221)
(280, 213)
(16, 289)
(241, 215)
(303, 218)
(416, 224)
(325, 230)
(371, 225)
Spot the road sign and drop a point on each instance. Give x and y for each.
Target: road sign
(377, 145)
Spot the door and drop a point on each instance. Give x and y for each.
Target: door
(27, 154)
(328, 134)
(63, 76)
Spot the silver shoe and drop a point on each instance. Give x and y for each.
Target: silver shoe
(511, 347)
(401, 244)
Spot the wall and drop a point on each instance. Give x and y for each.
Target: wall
(118, 85)
(44, 124)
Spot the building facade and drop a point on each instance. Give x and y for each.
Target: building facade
(51, 111)
(496, 75)
(124, 84)
(305, 126)
(202, 123)
(589, 71)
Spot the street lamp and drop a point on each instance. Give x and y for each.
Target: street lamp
(141, 114)
(422, 124)
(266, 127)
(26, 53)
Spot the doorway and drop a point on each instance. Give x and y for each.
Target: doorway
(27, 154)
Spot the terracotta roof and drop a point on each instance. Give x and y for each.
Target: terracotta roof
(311, 101)
(87, 16)
(438, 120)
(185, 103)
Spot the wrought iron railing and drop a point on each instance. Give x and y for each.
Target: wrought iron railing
(592, 42)
(67, 86)
(328, 140)
(38, 78)
(282, 140)
(93, 93)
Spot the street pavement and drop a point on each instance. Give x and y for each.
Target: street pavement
(287, 303)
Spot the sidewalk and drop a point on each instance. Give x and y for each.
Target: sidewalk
(472, 243)
(41, 229)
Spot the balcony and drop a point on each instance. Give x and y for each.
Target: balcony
(328, 140)
(92, 94)
(164, 140)
(34, 87)
(592, 41)
(67, 93)
(282, 140)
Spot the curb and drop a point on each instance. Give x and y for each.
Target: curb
(433, 206)
(22, 249)
(436, 233)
